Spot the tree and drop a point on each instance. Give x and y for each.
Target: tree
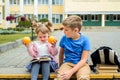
(25, 23)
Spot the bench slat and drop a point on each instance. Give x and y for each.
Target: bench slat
(22, 73)
(53, 75)
(117, 75)
(108, 75)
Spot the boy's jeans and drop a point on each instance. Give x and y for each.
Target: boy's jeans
(45, 70)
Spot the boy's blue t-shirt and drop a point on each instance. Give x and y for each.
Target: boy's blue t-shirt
(73, 48)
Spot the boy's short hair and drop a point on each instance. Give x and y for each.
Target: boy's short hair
(73, 21)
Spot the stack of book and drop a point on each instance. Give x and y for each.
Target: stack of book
(104, 68)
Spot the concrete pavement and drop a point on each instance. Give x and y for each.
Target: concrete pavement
(18, 57)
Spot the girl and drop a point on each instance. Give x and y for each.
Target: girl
(40, 48)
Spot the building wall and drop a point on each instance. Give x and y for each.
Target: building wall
(0, 14)
(91, 5)
(92, 23)
(2, 22)
(94, 7)
(71, 7)
(57, 9)
(29, 10)
(43, 9)
(112, 22)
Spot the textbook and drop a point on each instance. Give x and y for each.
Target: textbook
(39, 59)
(107, 67)
(107, 71)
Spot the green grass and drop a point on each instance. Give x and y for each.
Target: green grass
(12, 37)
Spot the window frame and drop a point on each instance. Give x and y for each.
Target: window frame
(57, 18)
(107, 17)
(94, 17)
(84, 17)
(116, 17)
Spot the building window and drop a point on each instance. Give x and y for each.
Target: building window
(0, 18)
(28, 16)
(16, 19)
(57, 2)
(1, 1)
(116, 17)
(94, 17)
(84, 17)
(3, 12)
(43, 2)
(42, 16)
(107, 17)
(14, 2)
(57, 18)
(28, 2)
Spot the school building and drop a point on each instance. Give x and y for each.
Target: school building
(101, 13)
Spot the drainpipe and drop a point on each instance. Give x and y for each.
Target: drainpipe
(7, 12)
(50, 11)
(36, 9)
(21, 7)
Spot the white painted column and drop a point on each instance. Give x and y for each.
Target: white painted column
(65, 16)
(50, 11)
(21, 7)
(1, 18)
(103, 20)
(7, 13)
(36, 9)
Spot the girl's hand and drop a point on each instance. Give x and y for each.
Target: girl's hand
(52, 40)
(26, 41)
(54, 43)
(25, 44)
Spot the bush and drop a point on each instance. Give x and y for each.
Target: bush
(26, 32)
(44, 20)
(7, 32)
(19, 29)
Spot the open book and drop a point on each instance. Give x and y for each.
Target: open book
(43, 58)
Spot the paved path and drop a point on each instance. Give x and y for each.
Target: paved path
(18, 57)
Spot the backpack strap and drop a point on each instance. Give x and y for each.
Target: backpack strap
(111, 56)
(102, 56)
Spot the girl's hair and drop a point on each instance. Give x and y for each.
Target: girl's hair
(43, 27)
(73, 22)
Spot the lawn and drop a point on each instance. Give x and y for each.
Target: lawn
(12, 37)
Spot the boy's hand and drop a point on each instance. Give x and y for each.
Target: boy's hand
(66, 75)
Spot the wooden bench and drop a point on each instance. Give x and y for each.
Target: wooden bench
(53, 76)
(22, 73)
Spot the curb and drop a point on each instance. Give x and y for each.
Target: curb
(10, 45)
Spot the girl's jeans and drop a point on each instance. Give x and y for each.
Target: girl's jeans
(45, 70)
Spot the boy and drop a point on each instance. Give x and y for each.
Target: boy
(74, 51)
